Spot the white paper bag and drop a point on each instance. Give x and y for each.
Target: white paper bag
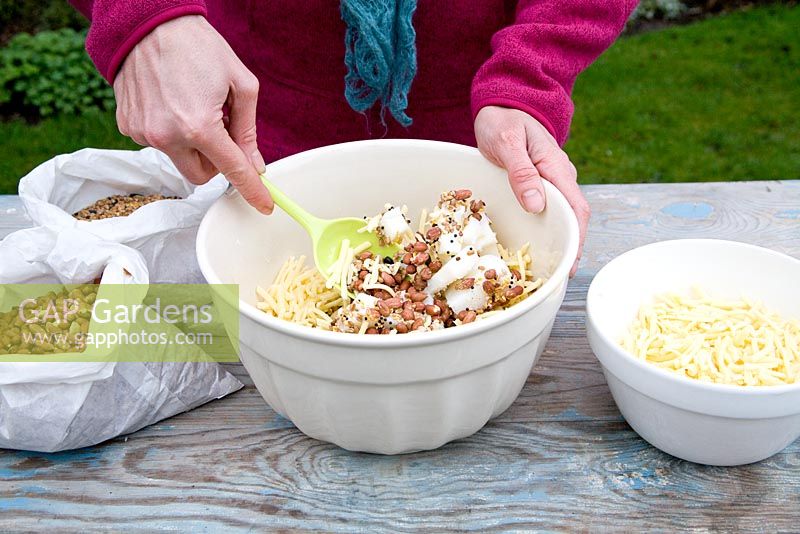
(164, 231)
(53, 406)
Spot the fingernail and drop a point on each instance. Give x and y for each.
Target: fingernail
(533, 201)
(266, 206)
(258, 161)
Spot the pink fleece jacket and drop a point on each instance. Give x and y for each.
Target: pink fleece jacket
(471, 53)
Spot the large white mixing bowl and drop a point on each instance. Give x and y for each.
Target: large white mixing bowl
(386, 394)
(714, 424)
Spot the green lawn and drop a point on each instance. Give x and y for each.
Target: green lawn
(716, 100)
(23, 146)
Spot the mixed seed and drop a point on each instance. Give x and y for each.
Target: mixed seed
(399, 299)
(117, 206)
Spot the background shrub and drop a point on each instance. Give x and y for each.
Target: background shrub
(50, 73)
(31, 16)
(658, 9)
(673, 10)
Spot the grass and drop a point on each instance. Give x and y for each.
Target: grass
(715, 100)
(23, 146)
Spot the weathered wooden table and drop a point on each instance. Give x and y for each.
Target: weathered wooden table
(561, 457)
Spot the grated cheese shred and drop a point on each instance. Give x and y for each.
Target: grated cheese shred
(299, 295)
(735, 342)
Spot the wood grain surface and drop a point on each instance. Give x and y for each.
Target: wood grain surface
(560, 458)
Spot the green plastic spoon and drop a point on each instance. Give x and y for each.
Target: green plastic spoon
(327, 234)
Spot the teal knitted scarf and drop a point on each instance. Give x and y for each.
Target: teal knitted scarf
(380, 55)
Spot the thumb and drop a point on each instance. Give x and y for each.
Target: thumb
(237, 167)
(525, 181)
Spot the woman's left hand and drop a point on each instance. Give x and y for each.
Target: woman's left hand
(520, 144)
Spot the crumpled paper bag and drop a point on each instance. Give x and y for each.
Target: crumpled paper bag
(164, 232)
(54, 406)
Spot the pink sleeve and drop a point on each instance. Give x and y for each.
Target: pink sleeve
(118, 25)
(535, 60)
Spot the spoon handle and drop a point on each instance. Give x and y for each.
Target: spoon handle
(312, 224)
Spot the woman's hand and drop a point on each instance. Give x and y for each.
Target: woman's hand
(171, 92)
(517, 142)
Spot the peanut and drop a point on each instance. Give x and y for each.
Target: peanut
(513, 292)
(393, 302)
(418, 297)
(381, 294)
(421, 258)
(426, 273)
(433, 309)
(466, 283)
(462, 194)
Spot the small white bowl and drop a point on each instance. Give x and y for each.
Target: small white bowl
(386, 394)
(702, 422)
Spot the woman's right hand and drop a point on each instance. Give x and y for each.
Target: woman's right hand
(171, 92)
